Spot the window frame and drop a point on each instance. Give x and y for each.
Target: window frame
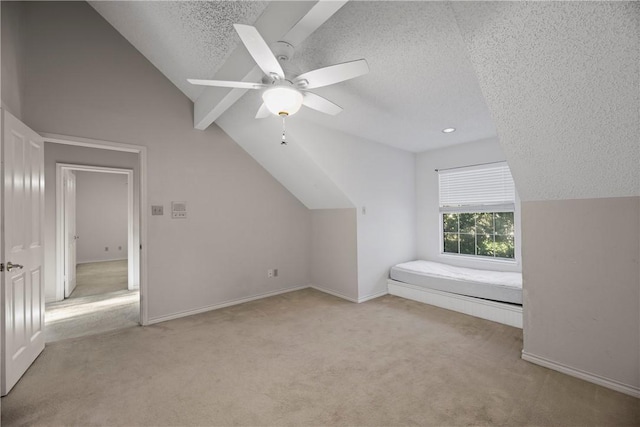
(473, 208)
(482, 258)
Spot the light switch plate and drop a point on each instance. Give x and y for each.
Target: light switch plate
(157, 210)
(178, 210)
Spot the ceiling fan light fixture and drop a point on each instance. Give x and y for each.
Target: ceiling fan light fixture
(282, 100)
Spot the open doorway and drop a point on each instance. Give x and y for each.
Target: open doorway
(95, 242)
(97, 270)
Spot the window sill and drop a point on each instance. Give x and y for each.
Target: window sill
(479, 259)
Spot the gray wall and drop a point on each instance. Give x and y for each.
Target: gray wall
(582, 284)
(101, 216)
(12, 47)
(83, 79)
(334, 251)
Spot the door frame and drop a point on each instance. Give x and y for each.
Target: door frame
(141, 215)
(132, 237)
(64, 219)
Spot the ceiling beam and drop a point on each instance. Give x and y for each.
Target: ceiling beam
(302, 18)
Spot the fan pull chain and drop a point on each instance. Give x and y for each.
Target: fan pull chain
(284, 129)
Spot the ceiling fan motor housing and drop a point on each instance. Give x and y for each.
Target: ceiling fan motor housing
(283, 51)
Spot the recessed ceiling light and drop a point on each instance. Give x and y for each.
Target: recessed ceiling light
(449, 130)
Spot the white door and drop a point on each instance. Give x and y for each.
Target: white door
(22, 307)
(70, 232)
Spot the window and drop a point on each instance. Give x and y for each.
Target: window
(477, 206)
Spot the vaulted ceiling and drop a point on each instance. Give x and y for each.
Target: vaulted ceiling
(557, 81)
(420, 82)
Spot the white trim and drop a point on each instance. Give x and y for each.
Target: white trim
(133, 238)
(508, 314)
(141, 215)
(91, 143)
(480, 258)
(221, 305)
(583, 375)
(372, 296)
(334, 293)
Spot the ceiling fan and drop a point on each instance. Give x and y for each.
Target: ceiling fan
(284, 95)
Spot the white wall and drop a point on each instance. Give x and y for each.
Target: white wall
(328, 169)
(334, 251)
(85, 80)
(428, 213)
(378, 179)
(290, 164)
(101, 216)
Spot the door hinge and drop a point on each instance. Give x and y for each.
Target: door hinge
(141, 246)
(1, 266)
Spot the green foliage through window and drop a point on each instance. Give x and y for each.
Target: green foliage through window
(488, 234)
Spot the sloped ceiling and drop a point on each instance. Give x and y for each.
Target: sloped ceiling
(562, 80)
(181, 38)
(558, 80)
(420, 81)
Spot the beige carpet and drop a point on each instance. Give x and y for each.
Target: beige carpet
(100, 303)
(95, 278)
(306, 358)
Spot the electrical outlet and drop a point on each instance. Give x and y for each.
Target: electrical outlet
(157, 210)
(106, 248)
(269, 273)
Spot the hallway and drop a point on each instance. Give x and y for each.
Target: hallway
(101, 302)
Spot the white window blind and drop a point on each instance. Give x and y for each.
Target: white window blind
(489, 187)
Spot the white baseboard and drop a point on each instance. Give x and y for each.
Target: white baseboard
(102, 260)
(504, 313)
(372, 296)
(334, 293)
(221, 305)
(583, 375)
(339, 295)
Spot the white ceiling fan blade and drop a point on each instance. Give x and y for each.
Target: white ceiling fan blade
(333, 74)
(321, 104)
(263, 112)
(224, 83)
(259, 50)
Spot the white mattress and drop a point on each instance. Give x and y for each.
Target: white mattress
(492, 285)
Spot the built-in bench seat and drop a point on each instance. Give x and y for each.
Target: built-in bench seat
(493, 295)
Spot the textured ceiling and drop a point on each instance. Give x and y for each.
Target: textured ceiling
(183, 39)
(563, 83)
(420, 81)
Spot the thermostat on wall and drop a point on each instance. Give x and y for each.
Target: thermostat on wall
(178, 209)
